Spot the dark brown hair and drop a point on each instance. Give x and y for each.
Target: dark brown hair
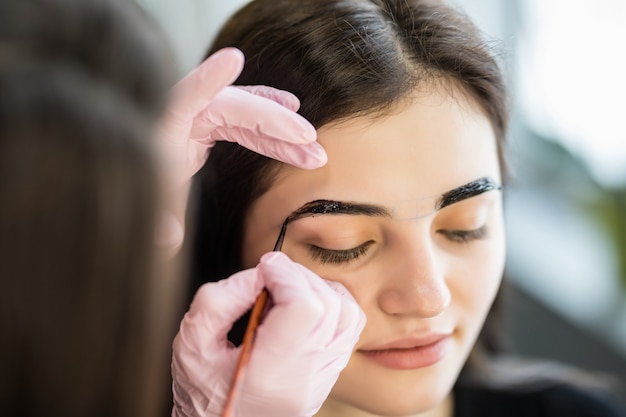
(341, 58)
(81, 311)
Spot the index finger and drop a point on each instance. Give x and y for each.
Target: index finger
(194, 92)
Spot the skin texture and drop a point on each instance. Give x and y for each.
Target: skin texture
(414, 276)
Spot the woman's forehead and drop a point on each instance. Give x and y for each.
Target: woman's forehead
(424, 142)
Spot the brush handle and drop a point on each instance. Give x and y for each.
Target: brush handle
(246, 350)
(248, 337)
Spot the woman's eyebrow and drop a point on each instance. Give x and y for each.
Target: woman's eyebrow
(338, 207)
(471, 189)
(455, 195)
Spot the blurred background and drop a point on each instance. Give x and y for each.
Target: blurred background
(566, 203)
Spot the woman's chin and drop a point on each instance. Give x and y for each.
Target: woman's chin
(401, 403)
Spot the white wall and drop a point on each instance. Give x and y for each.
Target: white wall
(190, 24)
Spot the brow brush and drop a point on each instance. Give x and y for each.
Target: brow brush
(309, 209)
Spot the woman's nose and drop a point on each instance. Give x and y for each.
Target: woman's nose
(416, 281)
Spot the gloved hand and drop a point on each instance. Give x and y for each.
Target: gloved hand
(303, 343)
(206, 109)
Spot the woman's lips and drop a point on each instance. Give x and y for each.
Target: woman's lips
(410, 353)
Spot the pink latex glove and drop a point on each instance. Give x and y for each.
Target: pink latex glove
(205, 109)
(303, 343)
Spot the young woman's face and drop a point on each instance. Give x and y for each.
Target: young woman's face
(424, 264)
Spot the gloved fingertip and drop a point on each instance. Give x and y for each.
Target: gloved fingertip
(222, 67)
(273, 258)
(234, 51)
(287, 99)
(314, 156)
(358, 317)
(230, 56)
(282, 97)
(337, 287)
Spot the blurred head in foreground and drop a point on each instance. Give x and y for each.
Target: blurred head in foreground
(83, 84)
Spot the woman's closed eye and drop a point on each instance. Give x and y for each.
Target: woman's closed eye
(338, 256)
(465, 236)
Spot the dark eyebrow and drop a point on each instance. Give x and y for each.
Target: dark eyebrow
(455, 195)
(338, 207)
(312, 208)
(471, 189)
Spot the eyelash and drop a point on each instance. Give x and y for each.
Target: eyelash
(338, 256)
(465, 236)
